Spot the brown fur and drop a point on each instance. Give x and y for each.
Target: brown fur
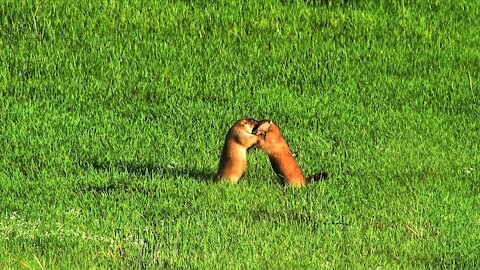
(270, 141)
(234, 154)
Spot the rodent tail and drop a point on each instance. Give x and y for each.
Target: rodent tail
(317, 177)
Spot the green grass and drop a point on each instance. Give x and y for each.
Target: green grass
(113, 115)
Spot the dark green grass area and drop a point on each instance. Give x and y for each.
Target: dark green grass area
(113, 115)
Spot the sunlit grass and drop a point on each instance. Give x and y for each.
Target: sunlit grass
(113, 115)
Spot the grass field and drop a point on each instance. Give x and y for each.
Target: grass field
(113, 116)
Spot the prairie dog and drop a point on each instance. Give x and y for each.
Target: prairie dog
(270, 141)
(234, 154)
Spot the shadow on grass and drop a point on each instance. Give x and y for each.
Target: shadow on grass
(143, 170)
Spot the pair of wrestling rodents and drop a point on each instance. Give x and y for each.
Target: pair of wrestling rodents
(269, 139)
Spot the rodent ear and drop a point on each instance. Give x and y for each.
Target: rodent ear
(268, 125)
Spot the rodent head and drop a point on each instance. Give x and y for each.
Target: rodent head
(262, 130)
(263, 127)
(248, 123)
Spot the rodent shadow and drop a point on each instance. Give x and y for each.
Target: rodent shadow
(153, 169)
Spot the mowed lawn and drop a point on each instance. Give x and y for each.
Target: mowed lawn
(113, 116)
